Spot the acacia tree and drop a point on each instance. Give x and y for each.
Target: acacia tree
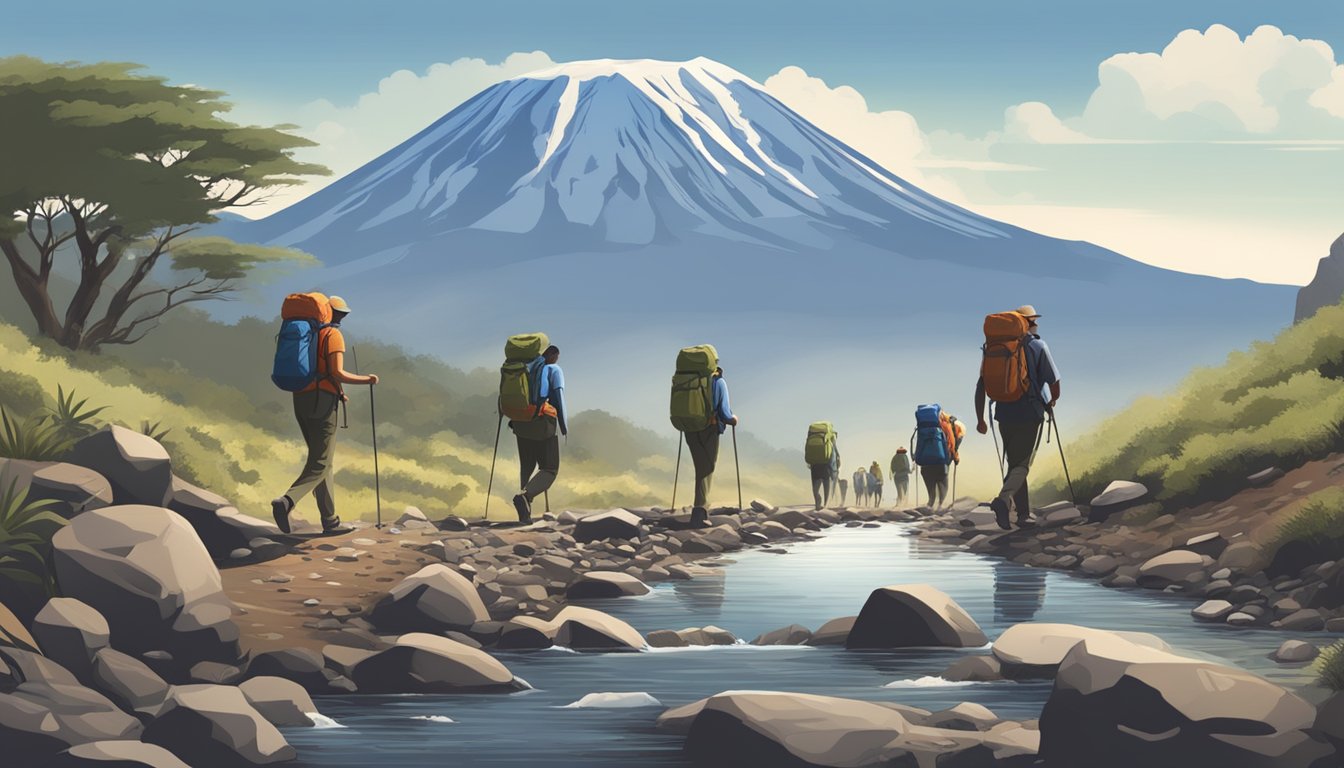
(113, 168)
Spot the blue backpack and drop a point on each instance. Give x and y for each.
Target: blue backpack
(930, 441)
(296, 346)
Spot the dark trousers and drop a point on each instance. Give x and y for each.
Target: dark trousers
(821, 485)
(902, 488)
(1019, 449)
(704, 447)
(316, 413)
(541, 456)
(935, 480)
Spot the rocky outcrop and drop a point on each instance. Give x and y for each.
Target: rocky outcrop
(433, 599)
(220, 525)
(913, 615)
(44, 716)
(1122, 704)
(213, 726)
(1326, 287)
(73, 489)
(424, 663)
(1037, 650)
(145, 570)
(136, 466)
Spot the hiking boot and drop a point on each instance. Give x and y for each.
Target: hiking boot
(333, 527)
(524, 508)
(280, 509)
(1024, 521)
(1000, 508)
(699, 517)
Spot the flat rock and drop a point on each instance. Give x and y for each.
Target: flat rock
(1170, 567)
(1118, 496)
(115, 754)
(1036, 649)
(1212, 610)
(424, 663)
(605, 584)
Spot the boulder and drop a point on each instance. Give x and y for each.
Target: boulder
(145, 570)
(709, 635)
(116, 754)
(974, 669)
(604, 584)
(966, 716)
(1212, 610)
(583, 629)
(665, 638)
(1060, 516)
(615, 524)
(13, 634)
(424, 663)
(761, 505)
(794, 634)
(75, 489)
(1169, 568)
(1211, 544)
(136, 467)
(1305, 620)
(1118, 496)
(1037, 649)
(433, 599)
(1122, 704)
(790, 518)
(220, 525)
(1295, 652)
(129, 683)
(1099, 565)
(210, 726)
(833, 632)
(913, 615)
(1240, 556)
(40, 719)
(70, 633)
(29, 667)
(300, 665)
(282, 702)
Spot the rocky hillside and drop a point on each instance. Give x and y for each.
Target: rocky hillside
(1326, 287)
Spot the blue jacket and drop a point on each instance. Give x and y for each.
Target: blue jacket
(553, 390)
(722, 410)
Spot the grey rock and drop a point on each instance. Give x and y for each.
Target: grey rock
(1117, 497)
(1240, 555)
(70, 633)
(40, 719)
(1305, 620)
(434, 599)
(665, 638)
(1169, 567)
(1037, 649)
(615, 524)
(282, 702)
(913, 615)
(214, 672)
(599, 584)
(833, 632)
(129, 683)
(424, 663)
(136, 466)
(73, 489)
(794, 634)
(221, 527)
(300, 665)
(977, 669)
(210, 726)
(1295, 651)
(115, 754)
(1212, 610)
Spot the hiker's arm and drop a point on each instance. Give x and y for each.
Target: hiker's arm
(338, 372)
(1054, 393)
(980, 425)
(725, 409)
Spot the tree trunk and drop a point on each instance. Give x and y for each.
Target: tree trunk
(33, 288)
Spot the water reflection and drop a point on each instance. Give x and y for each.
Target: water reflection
(1019, 593)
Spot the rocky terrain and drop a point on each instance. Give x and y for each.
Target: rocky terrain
(184, 632)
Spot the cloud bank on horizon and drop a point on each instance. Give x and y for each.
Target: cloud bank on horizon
(1209, 156)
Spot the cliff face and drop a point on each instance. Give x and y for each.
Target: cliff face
(1328, 285)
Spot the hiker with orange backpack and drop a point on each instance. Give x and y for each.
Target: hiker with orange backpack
(1016, 371)
(310, 362)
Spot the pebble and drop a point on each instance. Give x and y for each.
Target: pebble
(312, 601)
(1295, 651)
(279, 578)
(363, 542)
(240, 553)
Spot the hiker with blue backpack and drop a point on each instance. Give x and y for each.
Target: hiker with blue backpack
(935, 448)
(538, 431)
(310, 362)
(1018, 374)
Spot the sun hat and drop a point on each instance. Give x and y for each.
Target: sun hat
(1027, 311)
(338, 305)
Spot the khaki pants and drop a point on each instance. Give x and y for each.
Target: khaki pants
(704, 447)
(316, 414)
(538, 450)
(1019, 448)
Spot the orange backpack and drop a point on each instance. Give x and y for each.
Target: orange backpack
(1003, 365)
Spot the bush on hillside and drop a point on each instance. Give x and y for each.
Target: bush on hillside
(21, 393)
(1320, 522)
(1329, 667)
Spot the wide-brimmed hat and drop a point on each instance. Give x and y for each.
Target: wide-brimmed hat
(338, 305)
(1027, 311)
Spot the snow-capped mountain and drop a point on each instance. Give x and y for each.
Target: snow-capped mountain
(633, 207)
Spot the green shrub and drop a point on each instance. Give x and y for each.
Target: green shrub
(21, 393)
(1329, 666)
(26, 528)
(71, 419)
(32, 439)
(1320, 521)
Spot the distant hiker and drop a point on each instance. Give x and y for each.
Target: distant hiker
(875, 483)
(844, 488)
(1015, 372)
(935, 448)
(901, 469)
(701, 411)
(860, 486)
(823, 460)
(532, 396)
(310, 362)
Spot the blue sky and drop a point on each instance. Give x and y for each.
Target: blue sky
(988, 101)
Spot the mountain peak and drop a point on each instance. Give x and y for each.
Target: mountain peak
(646, 70)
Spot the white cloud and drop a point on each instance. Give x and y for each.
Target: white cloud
(1035, 122)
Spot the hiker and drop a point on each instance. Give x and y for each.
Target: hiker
(844, 488)
(822, 456)
(860, 486)
(539, 436)
(315, 403)
(875, 483)
(701, 411)
(1015, 373)
(935, 450)
(901, 469)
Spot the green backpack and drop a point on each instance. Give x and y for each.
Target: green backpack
(820, 446)
(693, 388)
(518, 376)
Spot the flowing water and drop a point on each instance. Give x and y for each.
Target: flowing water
(756, 592)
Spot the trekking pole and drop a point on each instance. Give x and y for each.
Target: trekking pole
(681, 436)
(547, 494)
(954, 483)
(1060, 442)
(1003, 471)
(491, 485)
(377, 489)
(738, 466)
(913, 481)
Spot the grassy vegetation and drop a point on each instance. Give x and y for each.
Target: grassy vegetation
(1319, 522)
(1280, 403)
(1329, 666)
(26, 528)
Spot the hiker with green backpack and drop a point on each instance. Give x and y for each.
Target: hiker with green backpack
(1016, 370)
(532, 398)
(901, 469)
(701, 412)
(823, 460)
(310, 362)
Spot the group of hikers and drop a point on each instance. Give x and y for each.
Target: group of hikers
(1018, 376)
